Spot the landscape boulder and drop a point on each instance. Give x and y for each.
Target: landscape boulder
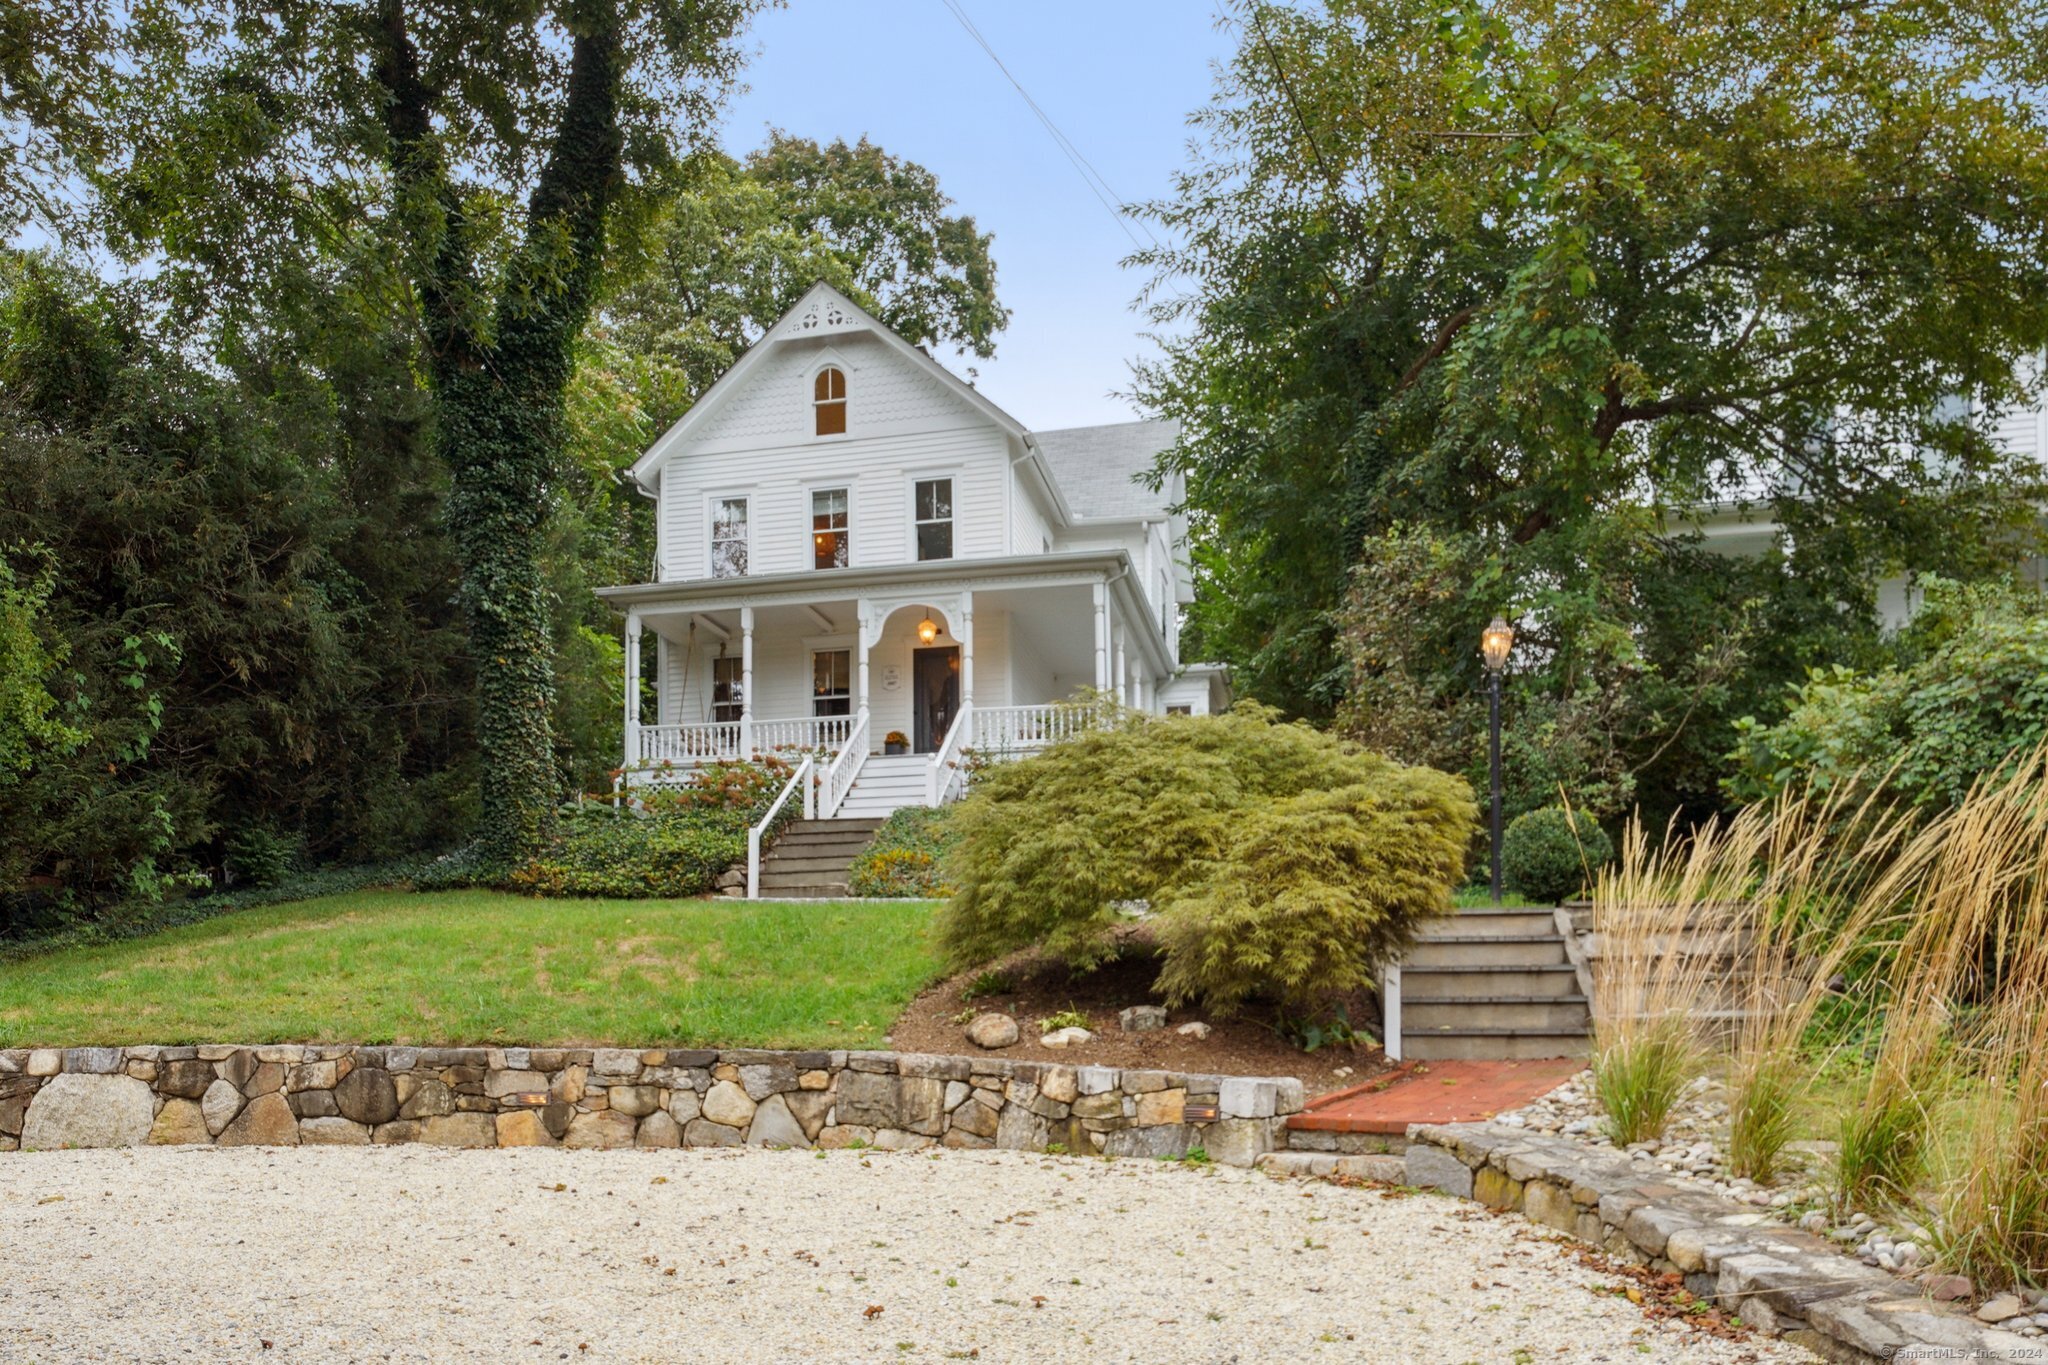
(82, 1110)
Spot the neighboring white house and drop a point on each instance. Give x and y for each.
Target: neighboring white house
(854, 547)
(1750, 528)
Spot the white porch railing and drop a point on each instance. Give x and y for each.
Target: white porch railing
(804, 732)
(844, 768)
(688, 743)
(798, 781)
(1005, 730)
(947, 769)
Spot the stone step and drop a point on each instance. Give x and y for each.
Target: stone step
(1475, 1043)
(1491, 923)
(1436, 983)
(1488, 950)
(1555, 1014)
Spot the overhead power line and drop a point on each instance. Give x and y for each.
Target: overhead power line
(1110, 200)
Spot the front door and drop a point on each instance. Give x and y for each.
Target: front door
(934, 696)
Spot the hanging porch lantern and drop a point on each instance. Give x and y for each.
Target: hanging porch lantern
(927, 629)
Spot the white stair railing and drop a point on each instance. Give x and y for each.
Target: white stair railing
(844, 768)
(796, 782)
(946, 770)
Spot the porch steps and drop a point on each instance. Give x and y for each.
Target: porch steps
(811, 858)
(1492, 983)
(886, 784)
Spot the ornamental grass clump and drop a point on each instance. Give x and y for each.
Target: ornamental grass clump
(1276, 861)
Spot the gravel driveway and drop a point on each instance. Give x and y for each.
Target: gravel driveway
(414, 1253)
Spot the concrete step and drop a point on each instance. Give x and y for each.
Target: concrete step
(853, 840)
(1491, 923)
(1556, 1014)
(838, 825)
(1488, 950)
(804, 888)
(1528, 983)
(1447, 1044)
(780, 866)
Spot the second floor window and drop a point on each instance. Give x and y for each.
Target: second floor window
(832, 682)
(727, 701)
(828, 397)
(933, 504)
(829, 545)
(729, 538)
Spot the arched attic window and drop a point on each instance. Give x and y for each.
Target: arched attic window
(828, 398)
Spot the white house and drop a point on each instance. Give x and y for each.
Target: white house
(858, 554)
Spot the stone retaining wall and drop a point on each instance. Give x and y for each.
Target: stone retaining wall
(612, 1097)
(1786, 1282)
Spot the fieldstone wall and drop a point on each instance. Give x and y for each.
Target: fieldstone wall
(1779, 1279)
(289, 1094)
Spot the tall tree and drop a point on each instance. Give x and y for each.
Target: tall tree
(489, 152)
(1522, 271)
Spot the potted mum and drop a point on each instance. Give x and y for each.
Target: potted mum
(894, 742)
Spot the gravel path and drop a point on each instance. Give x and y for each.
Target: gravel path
(414, 1253)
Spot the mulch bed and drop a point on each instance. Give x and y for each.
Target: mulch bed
(936, 1022)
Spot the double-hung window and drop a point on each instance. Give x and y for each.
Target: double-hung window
(932, 504)
(727, 700)
(729, 538)
(832, 682)
(831, 544)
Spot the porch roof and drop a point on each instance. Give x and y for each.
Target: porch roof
(836, 585)
(822, 586)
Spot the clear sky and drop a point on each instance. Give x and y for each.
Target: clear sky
(1119, 78)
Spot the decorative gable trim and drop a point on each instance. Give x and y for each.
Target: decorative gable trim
(835, 314)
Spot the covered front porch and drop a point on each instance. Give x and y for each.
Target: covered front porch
(843, 666)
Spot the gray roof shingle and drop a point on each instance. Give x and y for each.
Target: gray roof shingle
(1098, 468)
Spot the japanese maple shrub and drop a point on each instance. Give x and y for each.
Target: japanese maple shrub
(1278, 862)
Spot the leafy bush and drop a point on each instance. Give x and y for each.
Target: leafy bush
(1279, 860)
(1550, 855)
(259, 857)
(600, 852)
(906, 855)
(675, 841)
(1970, 693)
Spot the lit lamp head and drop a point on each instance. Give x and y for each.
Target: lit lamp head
(1494, 643)
(927, 629)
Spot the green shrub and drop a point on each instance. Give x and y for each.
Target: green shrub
(1259, 845)
(1313, 892)
(673, 841)
(906, 855)
(1550, 855)
(1969, 694)
(600, 852)
(259, 857)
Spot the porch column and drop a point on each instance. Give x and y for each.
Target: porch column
(966, 649)
(1123, 676)
(632, 691)
(1102, 637)
(862, 626)
(746, 682)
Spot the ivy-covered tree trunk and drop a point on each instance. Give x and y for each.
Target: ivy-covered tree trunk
(499, 370)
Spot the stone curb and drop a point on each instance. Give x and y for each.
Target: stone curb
(350, 1095)
(1778, 1279)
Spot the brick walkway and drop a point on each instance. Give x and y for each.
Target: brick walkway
(1434, 1092)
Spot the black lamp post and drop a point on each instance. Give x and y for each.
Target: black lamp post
(1494, 643)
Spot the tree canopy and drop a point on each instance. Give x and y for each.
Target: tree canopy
(1556, 281)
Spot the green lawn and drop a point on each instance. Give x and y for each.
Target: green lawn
(472, 967)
